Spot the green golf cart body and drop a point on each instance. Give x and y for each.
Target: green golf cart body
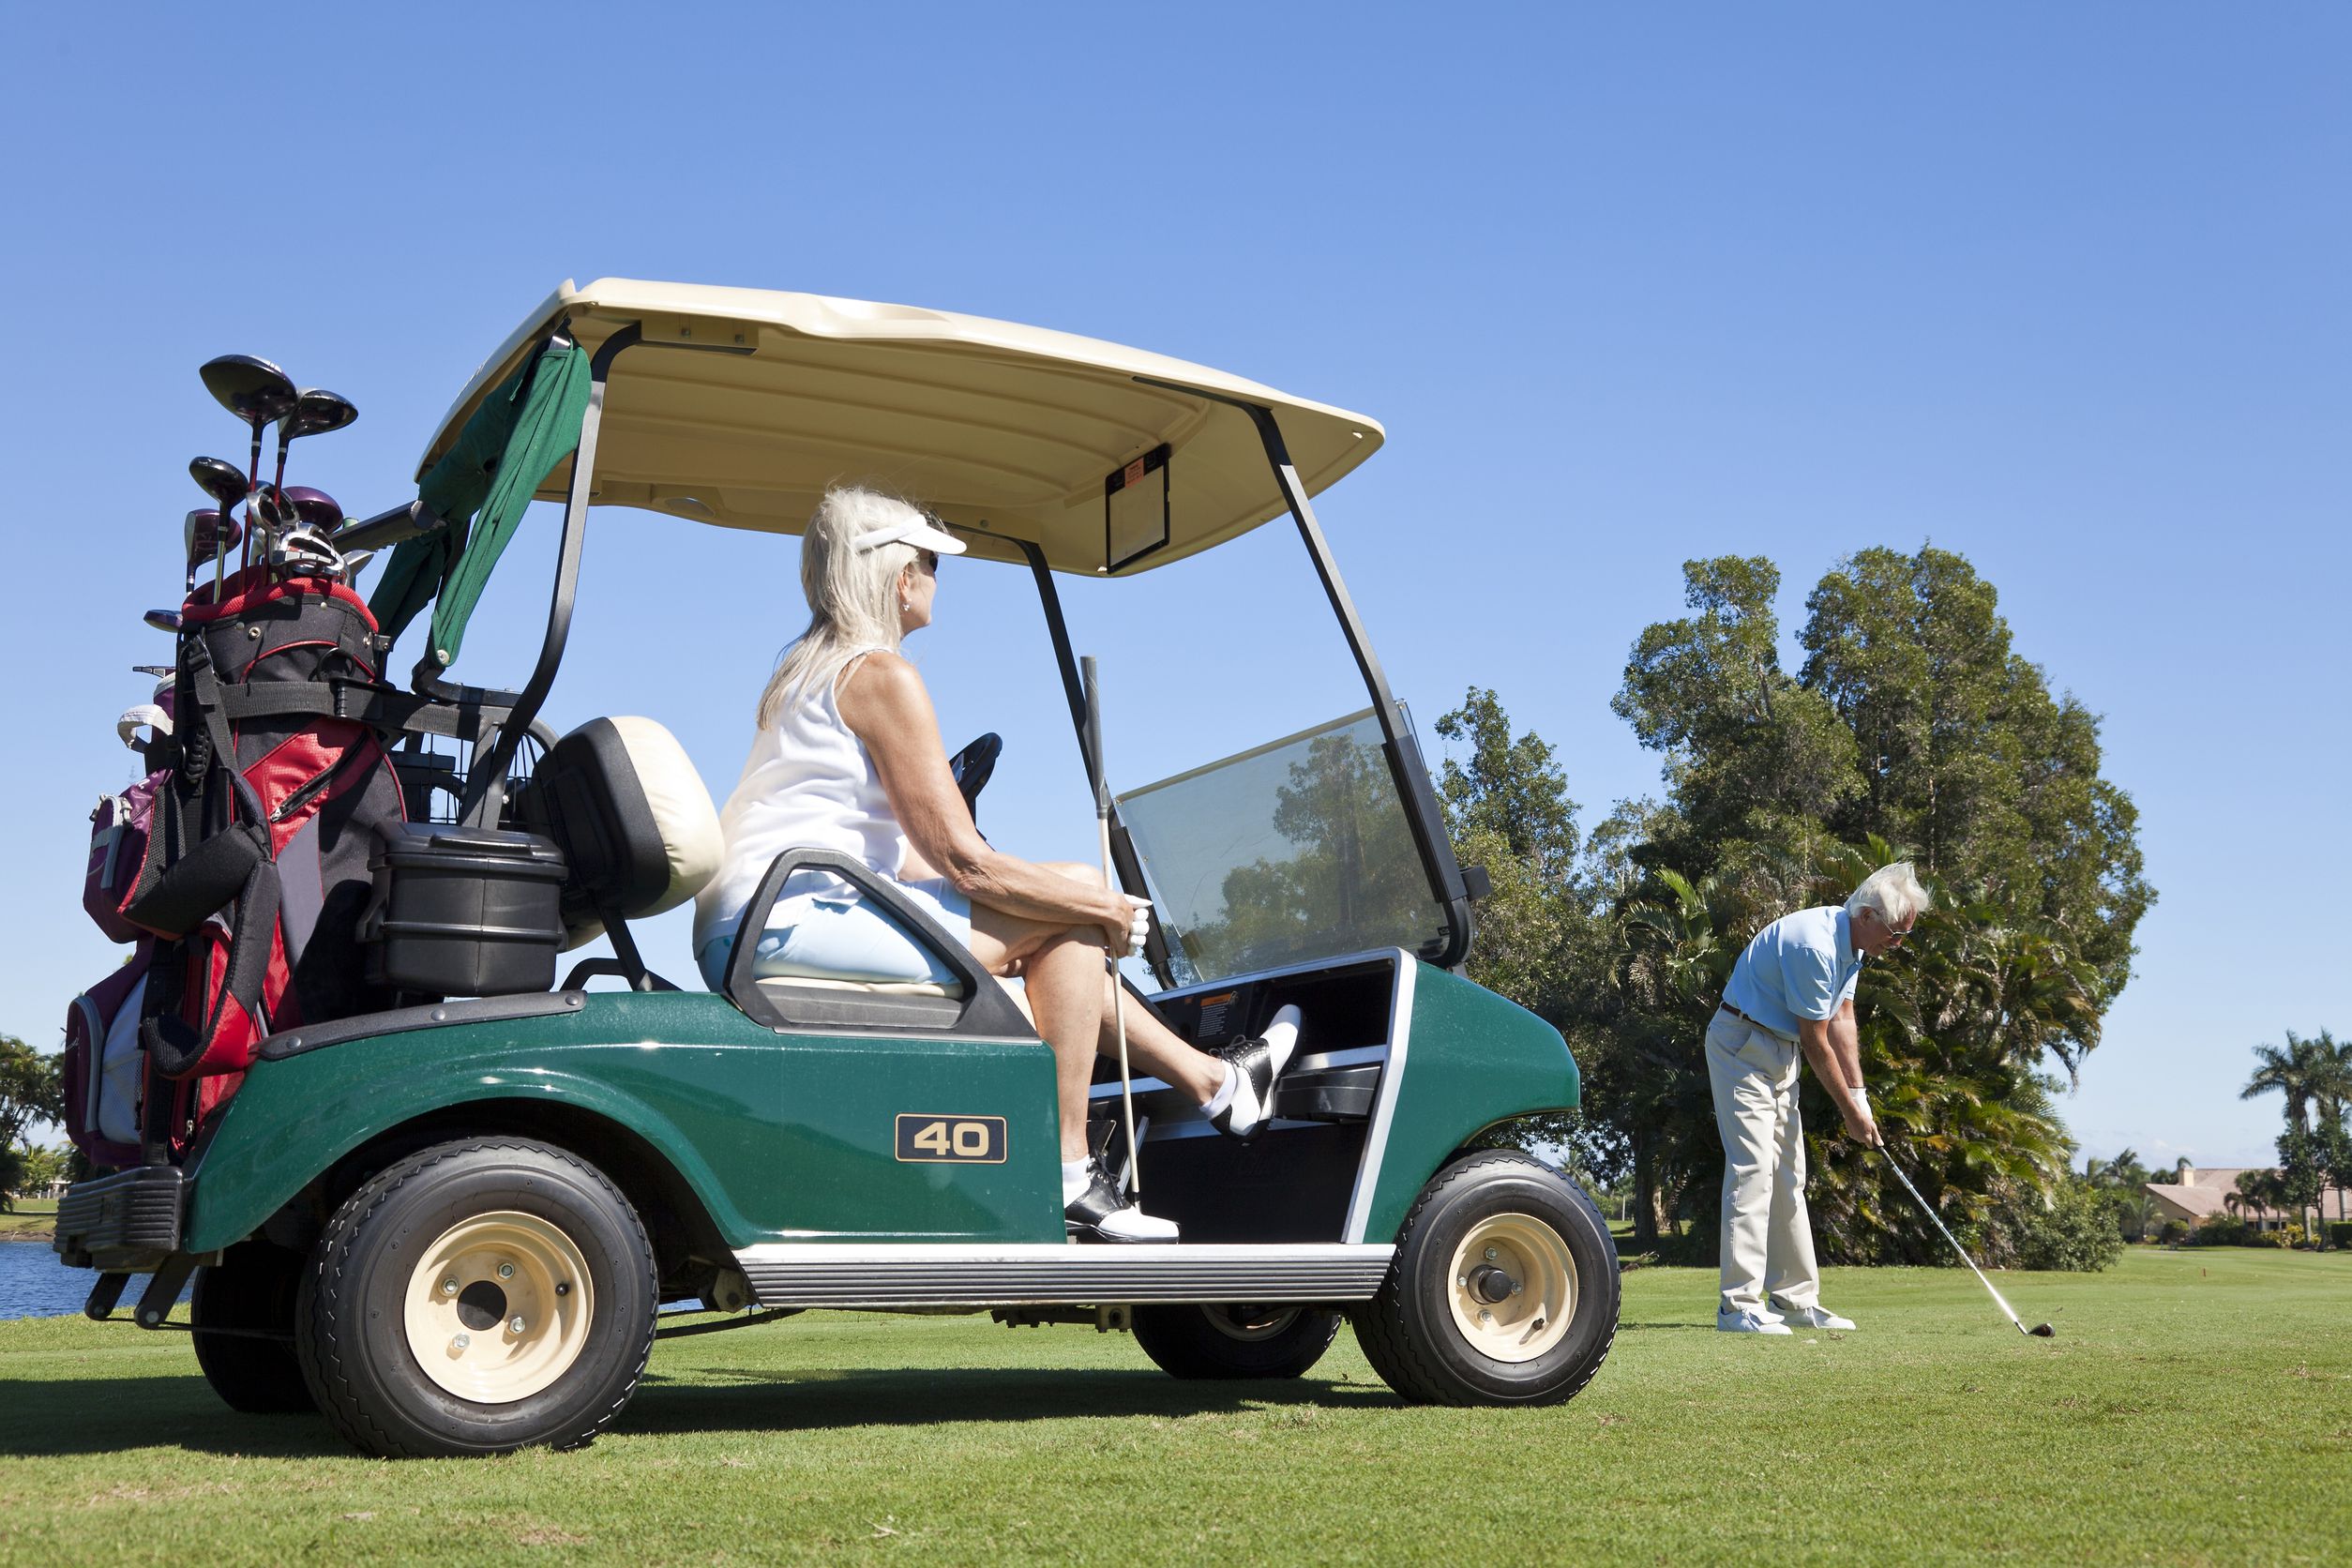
(451, 1227)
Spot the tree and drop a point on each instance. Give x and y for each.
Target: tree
(1507, 809)
(2332, 1092)
(31, 1092)
(1966, 756)
(1911, 722)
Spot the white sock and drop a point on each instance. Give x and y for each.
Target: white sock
(1224, 1096)
(1076, 1176)
(1283, 1032)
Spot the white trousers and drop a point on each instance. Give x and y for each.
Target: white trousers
(1767, 1247)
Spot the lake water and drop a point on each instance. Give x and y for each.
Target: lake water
(34, 1284)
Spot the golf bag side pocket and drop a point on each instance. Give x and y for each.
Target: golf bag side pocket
(104, 1064)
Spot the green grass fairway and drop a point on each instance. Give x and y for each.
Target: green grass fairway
(32, 1216)
(2196, 1407)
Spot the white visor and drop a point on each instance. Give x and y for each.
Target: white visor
(919, 532)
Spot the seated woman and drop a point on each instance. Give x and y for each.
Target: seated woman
(848, 757)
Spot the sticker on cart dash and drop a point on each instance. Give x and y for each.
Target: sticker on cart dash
(929, 1139)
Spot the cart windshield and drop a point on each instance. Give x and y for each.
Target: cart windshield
(1296, 850)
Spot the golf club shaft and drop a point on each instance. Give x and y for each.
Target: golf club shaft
(1119, 1028)
(1948, 1236)
(1110, 880)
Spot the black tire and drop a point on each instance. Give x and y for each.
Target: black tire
(252, 1290)
(1234, 1342)
(1409, 1331)
(353, 1319)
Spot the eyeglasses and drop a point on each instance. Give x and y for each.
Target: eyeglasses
(1894, 937)
(929, 558)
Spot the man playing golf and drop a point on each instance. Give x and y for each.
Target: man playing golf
(1792, 990)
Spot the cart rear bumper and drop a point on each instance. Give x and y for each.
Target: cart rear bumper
(126, 1223)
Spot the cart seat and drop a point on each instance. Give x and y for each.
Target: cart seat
(638, 834)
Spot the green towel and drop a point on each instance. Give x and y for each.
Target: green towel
(530, 424)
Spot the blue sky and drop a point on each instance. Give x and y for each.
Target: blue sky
(2061, 288)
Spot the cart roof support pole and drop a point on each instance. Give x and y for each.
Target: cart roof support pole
(1123, 855)
(486, 786)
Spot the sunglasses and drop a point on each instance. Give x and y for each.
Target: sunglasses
(929, 560)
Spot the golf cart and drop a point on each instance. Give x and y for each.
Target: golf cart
(450, 1224)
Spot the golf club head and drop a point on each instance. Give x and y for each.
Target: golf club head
(256, 390)
(272, 508)
(164, 620)
(219, 478)
(2043, 1331)
(316, 411)
(207, 533)
(315, 507)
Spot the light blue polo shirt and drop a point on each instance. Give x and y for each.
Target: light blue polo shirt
(1801, 966)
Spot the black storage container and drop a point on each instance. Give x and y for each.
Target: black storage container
(464, 910)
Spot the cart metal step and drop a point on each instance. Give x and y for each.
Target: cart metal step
(1053, 1273)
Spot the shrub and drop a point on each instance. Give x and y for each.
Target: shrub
(2075, 1231)
(2223, 1230)
(2339, 1233)
(2172, 1232)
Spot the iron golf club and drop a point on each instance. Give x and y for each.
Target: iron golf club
(1110, 880)
(2040, 1331)
(207, 531)
(256, 391)
(219, 478)
(316, 411)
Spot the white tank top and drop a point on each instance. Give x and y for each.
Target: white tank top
(809, 781)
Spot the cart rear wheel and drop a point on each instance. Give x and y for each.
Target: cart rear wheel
(478, 1297)
(1235, 1341)
(1505, 1291)
(251, 1292)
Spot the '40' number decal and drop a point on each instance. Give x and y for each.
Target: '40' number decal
(954, 1140)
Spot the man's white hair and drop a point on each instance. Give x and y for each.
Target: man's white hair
(1892, 892)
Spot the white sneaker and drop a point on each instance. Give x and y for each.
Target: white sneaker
(1813, 1316)
(1747, 1322)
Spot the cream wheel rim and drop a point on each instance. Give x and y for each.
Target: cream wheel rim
(498, 1308)
(1512, 1287)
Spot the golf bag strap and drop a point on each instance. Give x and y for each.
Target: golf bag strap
(380, 707)
(176, 1047)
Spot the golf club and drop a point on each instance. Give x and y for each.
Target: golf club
(315, 507)
(219, 478)
(316, 411)
(1110, 880)
(207, 531)
(2040, 1331)
(256, 391)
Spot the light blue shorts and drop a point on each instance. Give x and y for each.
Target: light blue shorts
(840, 936)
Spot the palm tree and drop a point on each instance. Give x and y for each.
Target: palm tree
(2254, 1192)
(2301, 1072)
(2330, 1089)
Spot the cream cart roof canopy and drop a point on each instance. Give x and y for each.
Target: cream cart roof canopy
(1003, 430)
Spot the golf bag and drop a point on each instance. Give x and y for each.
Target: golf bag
(254, 867)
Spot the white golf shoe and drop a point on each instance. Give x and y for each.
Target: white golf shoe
(1747, 1322)
(1812, 1316)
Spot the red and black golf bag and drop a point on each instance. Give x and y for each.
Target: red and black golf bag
(254, 868)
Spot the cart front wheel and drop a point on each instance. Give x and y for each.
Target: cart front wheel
(1504, 1290)
(478, 1297)
(1227, 1341)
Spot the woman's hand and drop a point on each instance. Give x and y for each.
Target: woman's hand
(1130, 925)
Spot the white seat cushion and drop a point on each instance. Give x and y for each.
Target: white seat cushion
(874, 988)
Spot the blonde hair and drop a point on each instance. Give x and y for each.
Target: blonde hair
(852, 594)
(1892, 892)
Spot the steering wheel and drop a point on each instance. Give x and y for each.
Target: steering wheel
(972, 767)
